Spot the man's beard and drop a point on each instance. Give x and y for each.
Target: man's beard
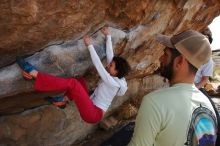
(167, 71)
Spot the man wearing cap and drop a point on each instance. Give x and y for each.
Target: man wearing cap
(179, 115)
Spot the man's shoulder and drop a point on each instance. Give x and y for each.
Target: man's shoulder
(160, 93)
(170, 92)
(163, 90)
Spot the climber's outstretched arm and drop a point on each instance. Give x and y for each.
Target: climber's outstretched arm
(109, 49)
(106, 77)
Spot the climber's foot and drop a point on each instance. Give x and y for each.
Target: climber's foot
(59, 101)
(28, 70)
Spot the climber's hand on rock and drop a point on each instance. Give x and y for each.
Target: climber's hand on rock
(87, 40)
(105, 31)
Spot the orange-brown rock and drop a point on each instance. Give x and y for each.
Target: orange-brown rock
(28, 26)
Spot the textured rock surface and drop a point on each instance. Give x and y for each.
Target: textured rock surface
(43, 126)
(216, 59)
(66, 59)
(51, 33)
(28, 26)
(213, 87)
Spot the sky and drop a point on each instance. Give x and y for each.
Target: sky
(215, 29)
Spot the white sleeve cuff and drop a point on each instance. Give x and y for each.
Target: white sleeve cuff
(90, 46)
(108, 36)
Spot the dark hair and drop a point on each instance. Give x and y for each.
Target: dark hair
(192, 68)
(121, 66)
(175, 53)
(207, 32)
(209, 38)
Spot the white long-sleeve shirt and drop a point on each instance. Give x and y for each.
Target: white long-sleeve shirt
(204, 70)
(109, 86)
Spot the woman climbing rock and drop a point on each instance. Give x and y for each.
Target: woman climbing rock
(92, 108)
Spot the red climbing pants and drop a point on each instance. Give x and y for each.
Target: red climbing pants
(76, 90)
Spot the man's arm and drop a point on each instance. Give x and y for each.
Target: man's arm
(203, 81)
(147, 125)
(206, 72)
(109, 49)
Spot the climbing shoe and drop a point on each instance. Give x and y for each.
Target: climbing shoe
(58, 101)
(25, 67)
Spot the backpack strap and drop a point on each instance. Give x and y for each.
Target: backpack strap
(217, 143)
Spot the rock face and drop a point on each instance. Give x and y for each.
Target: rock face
(216, 59)
(28, 26)
(64, 59)
(43, 126)
(50, 34)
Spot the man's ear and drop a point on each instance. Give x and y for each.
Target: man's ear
(179, 61)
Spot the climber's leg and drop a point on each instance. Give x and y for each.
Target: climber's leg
(74, 91)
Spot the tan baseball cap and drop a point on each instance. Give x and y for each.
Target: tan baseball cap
(191, 44)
